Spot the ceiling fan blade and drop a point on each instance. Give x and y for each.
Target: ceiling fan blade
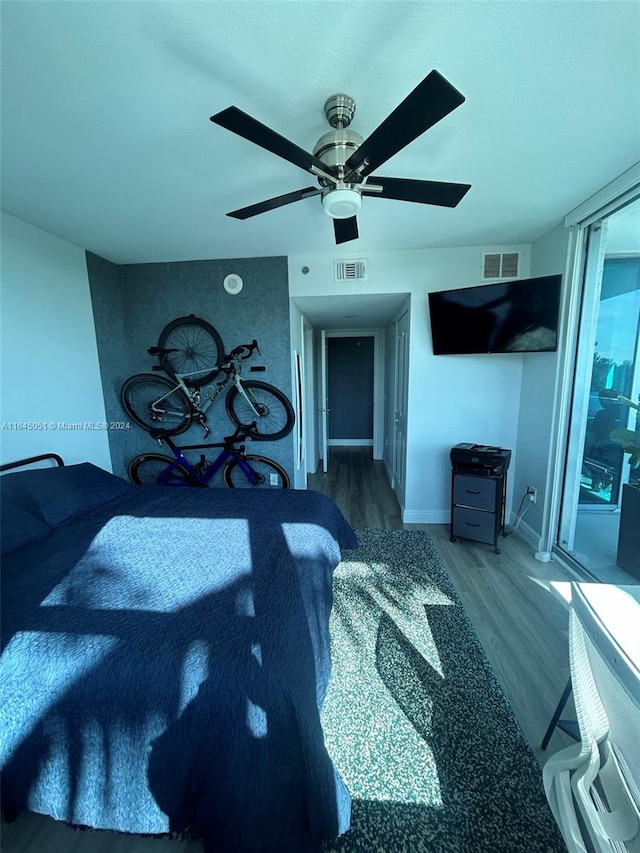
(272, 203)
(249, 128)
(429, 102)
(424, 192)
(345, 229)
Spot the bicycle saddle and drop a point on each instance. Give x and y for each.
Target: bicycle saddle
(160, 351)
(158, 434)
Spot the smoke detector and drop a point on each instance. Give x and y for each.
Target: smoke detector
(233, 284)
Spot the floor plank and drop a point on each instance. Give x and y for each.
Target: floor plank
(34, 833)
(519, 617)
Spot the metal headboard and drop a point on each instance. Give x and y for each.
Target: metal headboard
(43, 456)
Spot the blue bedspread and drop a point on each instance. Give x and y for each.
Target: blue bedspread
(165, 659)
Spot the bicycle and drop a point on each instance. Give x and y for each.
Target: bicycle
(239, 469)
(195, 349)
(176, 402)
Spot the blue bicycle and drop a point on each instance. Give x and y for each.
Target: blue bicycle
(240, 470)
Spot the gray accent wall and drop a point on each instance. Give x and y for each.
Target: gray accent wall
(105, 282)
(132, 304)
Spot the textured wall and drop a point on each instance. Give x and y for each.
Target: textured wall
(132, 304)
(113, 353)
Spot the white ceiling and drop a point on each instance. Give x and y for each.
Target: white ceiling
(106, 138)
(372, 311)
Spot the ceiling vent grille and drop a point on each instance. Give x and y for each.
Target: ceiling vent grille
(350, 270)
(495, 265)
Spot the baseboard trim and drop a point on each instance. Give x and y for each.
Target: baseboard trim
(350, 442)
(530, 536)
(417, 516)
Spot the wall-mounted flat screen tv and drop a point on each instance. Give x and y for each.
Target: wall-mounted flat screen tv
(510, 316)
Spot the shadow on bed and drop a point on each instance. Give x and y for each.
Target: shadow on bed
(165, 660)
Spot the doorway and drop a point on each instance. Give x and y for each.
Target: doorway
(350, 375)
(373, 315)
(606, 392)
(351, 390)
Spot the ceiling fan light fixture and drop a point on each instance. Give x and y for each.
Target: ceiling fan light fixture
(341, 203)
(342, 160)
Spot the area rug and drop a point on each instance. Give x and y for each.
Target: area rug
(415, 720)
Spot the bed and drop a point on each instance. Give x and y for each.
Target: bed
(165, 656)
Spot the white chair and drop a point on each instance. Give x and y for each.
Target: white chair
(593, 788)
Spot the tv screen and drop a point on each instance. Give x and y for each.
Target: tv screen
(510, 316)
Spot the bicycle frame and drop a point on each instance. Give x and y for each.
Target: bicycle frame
(202, 479)
(194, 395)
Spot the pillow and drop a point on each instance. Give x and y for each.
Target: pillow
(60, 494)
(19, 527)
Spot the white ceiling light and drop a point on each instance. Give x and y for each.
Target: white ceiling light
(341, 203)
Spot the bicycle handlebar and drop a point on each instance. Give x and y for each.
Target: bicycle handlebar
(241, 432)
(237, 351)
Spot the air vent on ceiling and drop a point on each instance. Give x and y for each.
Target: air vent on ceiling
(495, 265)
(350, 270)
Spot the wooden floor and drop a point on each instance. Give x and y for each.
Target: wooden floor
(519, 618)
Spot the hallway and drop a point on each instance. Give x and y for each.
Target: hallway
(359, 485)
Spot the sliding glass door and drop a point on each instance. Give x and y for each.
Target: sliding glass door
(612, 377)
(606, 388)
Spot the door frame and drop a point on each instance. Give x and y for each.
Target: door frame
(587, 319)
(615, 195)
(378, 384)
(400, 389)
(311, 457)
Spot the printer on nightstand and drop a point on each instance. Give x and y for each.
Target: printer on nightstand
(478, 492)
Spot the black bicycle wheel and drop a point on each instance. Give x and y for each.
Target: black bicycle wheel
(269, 474)
(145, 469)
(275, 412)
(153, 402)
(199, 349)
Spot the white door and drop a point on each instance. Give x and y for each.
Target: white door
(606, 374)
(323, 402)
(311, 455)
(400, 407)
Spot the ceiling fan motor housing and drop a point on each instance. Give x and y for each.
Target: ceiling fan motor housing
(335, 148)
(339, 200)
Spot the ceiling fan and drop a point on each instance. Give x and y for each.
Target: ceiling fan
(342, 160)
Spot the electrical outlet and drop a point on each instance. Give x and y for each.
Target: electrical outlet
(533, 494)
